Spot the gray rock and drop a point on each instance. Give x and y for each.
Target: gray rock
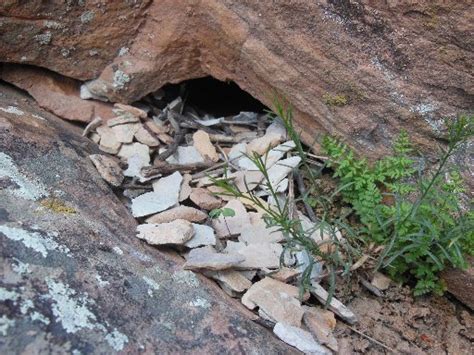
(300, 339)
(164, 195)
(207, 258)
(203, 235)
(257, 255)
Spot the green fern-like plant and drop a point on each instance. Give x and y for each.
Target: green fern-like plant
(424, 228)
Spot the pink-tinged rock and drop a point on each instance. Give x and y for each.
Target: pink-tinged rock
(177, 232)
(207, 258)
(321, 323)
(202, 143)
(189, 214)
(229, 226)
(300, 339)
(55, 93)
(204, 199)
(108, 168)
(257, 255)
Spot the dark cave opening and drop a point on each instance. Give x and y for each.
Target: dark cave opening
(214, 97)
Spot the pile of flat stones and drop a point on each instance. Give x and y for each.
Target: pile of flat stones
(170, 189)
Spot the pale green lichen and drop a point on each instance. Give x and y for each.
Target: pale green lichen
(116, 340)
(120, 79)
(27, 188)
(87, 16)
(335, 100)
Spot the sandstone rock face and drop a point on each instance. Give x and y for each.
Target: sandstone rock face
(77, 280)
(359, 69)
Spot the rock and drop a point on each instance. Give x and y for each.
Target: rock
(284, 274)
(159, 131)
(229, 226)
(237, 152)
(280, 170)
(246, 180)
(185, 155)
(189, 214)
(108, 168)
(257, 255)
(177, 232)
(299, 338)
(135, 149)
(203, 235)
(204, 199)
(108, 141)
(233, 280)
(185, 188)
(143, 136)
(164, 195)
(122, 119)
(207, 258)
(276, 300)
(55, 93)
(335, 306)
(91, 126)
(203, 145)
(263, 144)
(125, 132)
(112, 55)
(460, 283)
(380, 281)
(95, 138)
(258, 232)
(134, 111)
(321, 323)
(83, 282)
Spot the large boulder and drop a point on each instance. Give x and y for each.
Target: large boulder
(74, 278)
(362, 70)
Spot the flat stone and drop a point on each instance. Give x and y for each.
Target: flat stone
(122, 119)
(164, 195)
(177, 232)
(285, 274)
(108, 141)
(321, 323)
(280, 170)
(143, 136)
(205, 199)
(322, 236)
(94, 137)
(203, 235)
(258, 232)
(135, 163)
(237, 152)
(246, 180)
(277, 300)
(233, 280)
(129, 150)
(257, 255)
(229, 226)
(299, 338)
(380, 281)
(125, 132)
(335, 306)
(185, 155)
(185, 188)
(189, 214)
(135, 111)
(207, 258)
(203, 145)
(108, 168)
(277, 128)
(263, 144)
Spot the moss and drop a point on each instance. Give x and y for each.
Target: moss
(335, 100)
(56, 205)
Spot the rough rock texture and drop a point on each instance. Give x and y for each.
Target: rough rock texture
(80, 281)
(359, 69)
(461, 283)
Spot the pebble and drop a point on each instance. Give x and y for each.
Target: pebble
(177, 232)
(108, 168)
(380, 281)
(189, 214)
(125, 132)
(208, 258)
(321, 323)
(203, 145)
(300, 339)
(185, 188)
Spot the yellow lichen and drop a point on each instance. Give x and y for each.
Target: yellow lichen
(56, 205)
(335, 100)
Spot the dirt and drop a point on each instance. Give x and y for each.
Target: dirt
(408, 325)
